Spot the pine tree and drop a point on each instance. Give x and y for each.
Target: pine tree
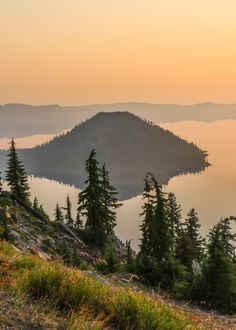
(160, 234)
(68, 216)
(43, 213)
(15, 175)
(39, 208)
(156, 238)
(91, 204)
(148, 215)
(192, 227)
(36, 204)
(109, 201)
(58, 214)
(155, 262)
(129, 259)
(218, 285)
(183, 249)
(174, 218)
(228, 238)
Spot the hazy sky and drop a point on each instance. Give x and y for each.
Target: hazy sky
(94, 51)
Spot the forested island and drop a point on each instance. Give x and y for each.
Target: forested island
(128, 145)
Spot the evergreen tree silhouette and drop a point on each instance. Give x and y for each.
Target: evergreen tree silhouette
(160, 234)
(192, 227)
(147, 214)
(58, 215)
(91, 204)
(174, 218)
(109, 202)
(16, 175)
(218, 285)
(68, 216)
(36, 204)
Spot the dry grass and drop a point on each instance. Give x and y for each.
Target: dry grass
(82, 302)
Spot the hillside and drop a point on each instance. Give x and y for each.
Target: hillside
(53, 119)
(39, 294)
(129, 146)
(30, 232)
(39, 288)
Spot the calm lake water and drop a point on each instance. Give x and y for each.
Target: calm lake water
(212, 192)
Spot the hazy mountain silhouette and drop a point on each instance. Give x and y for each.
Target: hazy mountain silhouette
(22, 120)
(129, 146)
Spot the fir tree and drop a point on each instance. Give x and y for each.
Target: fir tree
(174, 218)
(183, 249)
(160, 234)
(155, 228)
(68, 216)
(58, 215)
(218, 285)
(109, 202)
(228, 238)
(192, 227)
(129, 259)
(43, 213)
(39, 208)
(15, 175)
(36, 204)
(91, 202)
(148, 215)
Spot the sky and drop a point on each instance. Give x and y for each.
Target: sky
(74, 52)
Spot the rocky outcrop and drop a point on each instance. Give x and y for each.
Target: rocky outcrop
(30, 232)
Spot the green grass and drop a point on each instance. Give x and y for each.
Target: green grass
(96, 304)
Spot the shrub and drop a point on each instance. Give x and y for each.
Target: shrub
(110, 263)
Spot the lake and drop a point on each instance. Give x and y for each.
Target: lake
(212, 192)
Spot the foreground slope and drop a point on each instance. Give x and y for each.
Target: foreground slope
(37, 294)
(129, 145)
(38, 291)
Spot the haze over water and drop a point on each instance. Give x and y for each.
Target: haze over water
(212, 192)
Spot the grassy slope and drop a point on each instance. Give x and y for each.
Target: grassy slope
(35, 294)
(52, 291)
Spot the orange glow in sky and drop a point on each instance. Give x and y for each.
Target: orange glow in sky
(98, 51)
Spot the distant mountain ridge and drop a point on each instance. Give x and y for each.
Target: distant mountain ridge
(22, 120)
(128, 145)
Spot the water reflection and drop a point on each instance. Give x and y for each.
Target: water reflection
(27, 141)
(212, 192)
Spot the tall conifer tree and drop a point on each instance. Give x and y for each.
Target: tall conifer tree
(228, 238)
(16, 175)
(148, 215)
(90, 202)
(183, 249)
(109, 202)
(174, 218)
(160, 235)
(218, 284)
(192, 227)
